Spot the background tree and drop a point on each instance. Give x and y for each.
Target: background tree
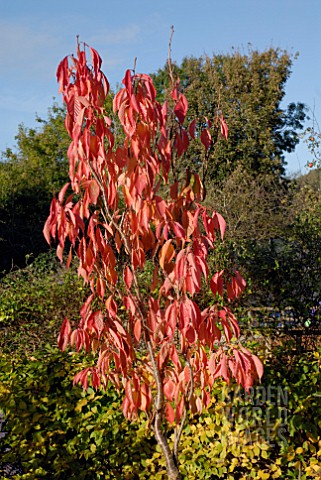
(249, 89)
(29, 176)
(312, 138)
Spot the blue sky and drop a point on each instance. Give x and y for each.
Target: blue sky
(36, 34)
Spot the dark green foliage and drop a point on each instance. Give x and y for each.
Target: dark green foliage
(285, 269)
(35, 300)
(29, 177)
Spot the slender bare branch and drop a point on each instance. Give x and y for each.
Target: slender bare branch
(169, 58)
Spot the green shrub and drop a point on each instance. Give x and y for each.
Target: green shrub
(35, 300)
(59, 431)
(274, 431)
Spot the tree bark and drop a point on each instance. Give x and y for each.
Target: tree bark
(171, 466)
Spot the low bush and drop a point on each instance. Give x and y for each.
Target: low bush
(35, 300)
(59, 431)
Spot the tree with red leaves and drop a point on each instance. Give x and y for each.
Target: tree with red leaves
(142, 239)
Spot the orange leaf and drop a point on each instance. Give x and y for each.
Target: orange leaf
(169, 412)
(128, 277)
(166, 254)
(169, 389)
(138, 330)
(93, 190)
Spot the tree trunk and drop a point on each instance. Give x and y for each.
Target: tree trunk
(171, 467)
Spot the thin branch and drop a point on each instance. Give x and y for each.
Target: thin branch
(134, 66)
(169, 58)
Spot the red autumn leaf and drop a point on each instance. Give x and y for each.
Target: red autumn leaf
(223, 369)
(178, 230)
(62, 192)
(146, 398)
(59, 252)
(171, 318)
(219, 223)
(199, 406)
(241, 283)
(82, 378)
(226, 325)
(181, 108)
(169, 413)
(95, 379)
(116, 338)
(47, 230)
(100, 287)
(169, 389)
(163, 355)
(62, 74)
(212, 363)
(190, 334)
(64, 335)
(233, 322)
(216, 283)
(138, 329)
(181, 142)
(179, 409)
(96, 60)
(93, 190)
(129, 305)
(206, 138)
(187, 374)
(192, 128)
(127, 81)
(258, 366)
(236, 286)
(111, 306)
(224, 127)
(128, 277)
